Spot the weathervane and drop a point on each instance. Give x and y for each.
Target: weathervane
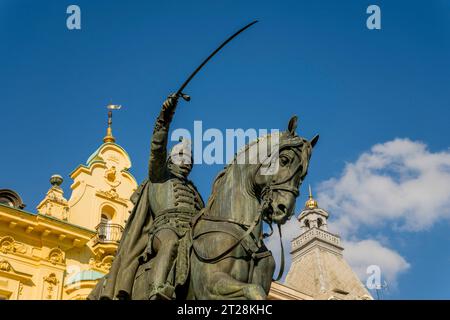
(109, 136)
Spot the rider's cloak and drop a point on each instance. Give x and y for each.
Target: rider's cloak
(118, 283)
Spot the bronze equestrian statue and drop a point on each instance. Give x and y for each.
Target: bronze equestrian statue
(219, 253)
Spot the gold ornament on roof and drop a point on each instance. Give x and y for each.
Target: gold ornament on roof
(311, 203)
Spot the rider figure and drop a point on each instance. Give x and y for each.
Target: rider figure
(174, 201)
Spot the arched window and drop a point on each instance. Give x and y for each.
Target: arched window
(319, 223)
(104, 218)
(105, 230)
(307, 223)
(107, 213)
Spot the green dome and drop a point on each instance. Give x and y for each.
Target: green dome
(84, 275)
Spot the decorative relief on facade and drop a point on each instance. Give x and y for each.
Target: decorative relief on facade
(56, 197)
(50, 285)
(102, 264)
(6, 245)
(111, 195)
(9, 245)
(5, 265)
(20, 290)
(55, 256)
(111, 177)
(65, 213)
(51, 279)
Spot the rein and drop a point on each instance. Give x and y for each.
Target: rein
(281, 271)
(224, 253)
(269, 190)
(246, 234)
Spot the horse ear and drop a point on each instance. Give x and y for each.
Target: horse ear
(292, 126)
(314, 140)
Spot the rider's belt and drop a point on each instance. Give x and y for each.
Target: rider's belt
(175, 218)
(176, 212)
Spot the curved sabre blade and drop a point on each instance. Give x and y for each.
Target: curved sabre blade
(179, 92)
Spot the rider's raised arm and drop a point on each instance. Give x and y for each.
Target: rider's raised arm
(158, 150)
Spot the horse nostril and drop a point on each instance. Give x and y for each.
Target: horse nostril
(282, 208)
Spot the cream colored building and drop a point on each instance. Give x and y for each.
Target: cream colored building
(61, 251)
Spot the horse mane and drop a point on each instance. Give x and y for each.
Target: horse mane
(219, 180)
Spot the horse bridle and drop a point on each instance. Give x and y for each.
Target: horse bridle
(266, 196)
(268, 189)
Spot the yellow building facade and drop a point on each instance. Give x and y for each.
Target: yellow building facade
(60, 251)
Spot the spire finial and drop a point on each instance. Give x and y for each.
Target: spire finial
(311, 203)
(109, 136)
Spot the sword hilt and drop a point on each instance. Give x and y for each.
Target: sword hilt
(184, 96)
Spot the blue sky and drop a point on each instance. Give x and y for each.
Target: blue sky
(356, 87)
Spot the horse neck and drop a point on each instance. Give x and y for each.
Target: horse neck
(234, 198)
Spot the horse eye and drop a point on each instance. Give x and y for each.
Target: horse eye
(284, 161)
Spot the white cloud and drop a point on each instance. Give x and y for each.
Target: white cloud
(398, 183)
(362, 254)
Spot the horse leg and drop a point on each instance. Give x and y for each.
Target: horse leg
(224, 285)
(218, 281)
(263, 272)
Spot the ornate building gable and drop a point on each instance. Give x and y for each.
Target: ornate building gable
(102, 188)
(100, 200)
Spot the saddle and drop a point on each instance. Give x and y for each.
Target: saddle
(231, 234)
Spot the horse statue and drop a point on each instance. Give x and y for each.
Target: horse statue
(229, 259)
(225, 256)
